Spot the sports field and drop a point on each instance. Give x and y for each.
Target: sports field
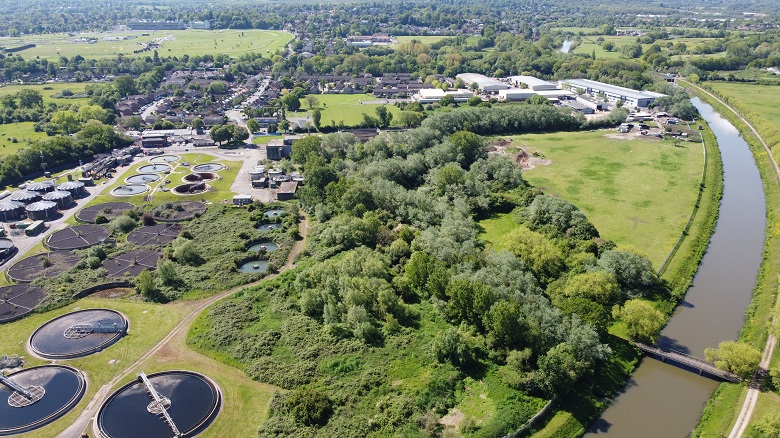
(347, 108)
(174, 43)
(638, 193)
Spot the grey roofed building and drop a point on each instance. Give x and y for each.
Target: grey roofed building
(613, 93)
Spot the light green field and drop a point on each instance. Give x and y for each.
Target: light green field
(343, 108)
(429, 39)
(49, 90)
(23, 131)
(759, 104)
(264, 139)
(191, 42)
(638, 193)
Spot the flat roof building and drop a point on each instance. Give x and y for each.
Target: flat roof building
(613, 93)
(532, 83)
(434, 95)
(484, 83)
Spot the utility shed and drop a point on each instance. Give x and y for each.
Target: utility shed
(287, 190)
(242, 199)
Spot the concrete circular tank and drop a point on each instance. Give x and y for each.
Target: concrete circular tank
(265, 245)
(208, 167)
(154, 168)
(200, 177)
(78, 334)
(62, 198)
(152, 406)
(41, 210)
(142, 178)
(41, 187)
(254, 266)
(165, 159)
(191, 188)
(76, 188)
(11, 210)
(25, 196)
(55, 389)
(7, 248)
(129, 190)
(269, 227)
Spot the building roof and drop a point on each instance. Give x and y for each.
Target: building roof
(533, 83)
(612, 89)
(482, 80)
(288, 187)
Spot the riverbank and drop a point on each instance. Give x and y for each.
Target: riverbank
(724, 406)
(574, 415)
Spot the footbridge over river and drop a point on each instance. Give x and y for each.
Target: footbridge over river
(690, 362)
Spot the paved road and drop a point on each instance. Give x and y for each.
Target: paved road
(746, 413)
(81, 424)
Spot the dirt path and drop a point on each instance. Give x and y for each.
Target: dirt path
(81, 423)
(743, 420)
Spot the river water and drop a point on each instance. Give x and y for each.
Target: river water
(661, 400)
(566, 46)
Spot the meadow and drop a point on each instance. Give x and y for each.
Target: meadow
(346, 108)
(758, 103)
(22, 132)
(190, 42)
(638, 193)
(49, 91)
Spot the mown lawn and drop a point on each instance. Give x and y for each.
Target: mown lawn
(191, 42)
(148, 324)
(220, 188)
(638, 193)
(264, 139)
(346, 108)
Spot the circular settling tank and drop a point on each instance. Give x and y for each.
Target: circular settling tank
(109, 210)
(129, 189)
(142, 178)
(268, 246)
(165, 159)
(191, 188)
(254, 266)
(78, 237)
(274, 213)
(60, 388)
(190, 400)
(154, 168)
(18, 300)
(269, 227)
(208, 167)
(201, 177)
(78, 334)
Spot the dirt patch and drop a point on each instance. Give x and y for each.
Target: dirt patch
(525, 157)
(453, 418)
(117, 292)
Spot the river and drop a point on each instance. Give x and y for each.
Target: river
(565, 47)
(661, 400)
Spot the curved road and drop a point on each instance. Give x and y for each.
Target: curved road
(743, 420)
(82, 422)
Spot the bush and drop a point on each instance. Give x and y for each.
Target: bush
(123, 224)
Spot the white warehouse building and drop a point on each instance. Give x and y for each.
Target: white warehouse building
(484, 83)
(532, 83)
(613, 93)
(434, 95)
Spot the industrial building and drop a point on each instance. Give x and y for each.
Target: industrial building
(573, 104)
(434, 95)
(612, 93)
(531, 83)
(278, 148)
(484, 83)
(287, 190)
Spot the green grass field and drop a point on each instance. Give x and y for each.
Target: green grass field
(638, 193)
(49, 90)
(264, 139)
(22, 131)
(190, 42)
(345, 108)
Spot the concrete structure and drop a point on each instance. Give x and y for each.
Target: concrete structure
(484, 83)
(434, 95)
(41, 210)
(242, 199)
(612, 93)
(591, 103)
(287, 190)
(516, 94)
(532, 83)
(63, 199)
(76, 188)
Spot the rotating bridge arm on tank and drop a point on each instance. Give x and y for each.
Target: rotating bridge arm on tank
(158, 401)
(16, 387)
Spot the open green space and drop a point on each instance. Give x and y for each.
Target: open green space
(758, 103)
(264, 139)
(190, 42)
(51, 92)
(638, 193)
(346, 108)
(22, 132)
